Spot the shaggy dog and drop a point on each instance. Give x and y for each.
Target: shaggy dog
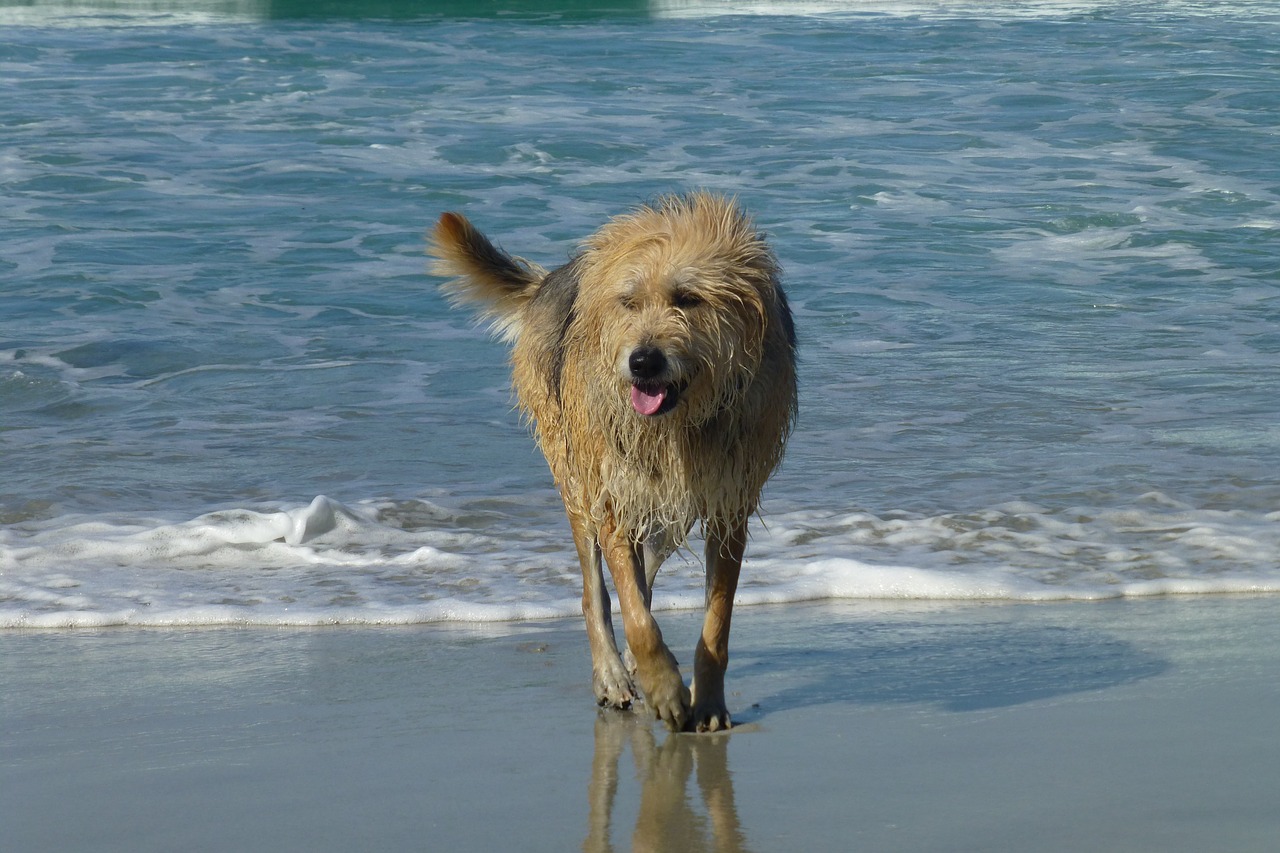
(657, 368)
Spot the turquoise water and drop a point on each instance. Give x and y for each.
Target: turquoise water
(1032, 250)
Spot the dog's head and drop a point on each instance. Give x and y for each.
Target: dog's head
(684, 298)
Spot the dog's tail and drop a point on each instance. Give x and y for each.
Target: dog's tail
(482, 276)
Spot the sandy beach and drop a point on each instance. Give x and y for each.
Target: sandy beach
(1120, 726)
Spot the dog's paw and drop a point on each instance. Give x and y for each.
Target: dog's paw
(666, 695)
(709, 711)
(710, 717)
(613, 685)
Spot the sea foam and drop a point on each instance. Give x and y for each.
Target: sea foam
(382, 562)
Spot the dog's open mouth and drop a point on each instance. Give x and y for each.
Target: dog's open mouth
(654, 398)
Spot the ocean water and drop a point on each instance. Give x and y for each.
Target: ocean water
(1033, 250)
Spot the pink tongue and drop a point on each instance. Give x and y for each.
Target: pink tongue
(647, 402)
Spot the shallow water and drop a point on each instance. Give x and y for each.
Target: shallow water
(915, 727)
(1031, 248)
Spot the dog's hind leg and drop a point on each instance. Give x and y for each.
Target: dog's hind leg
(653, 554)
(656, 668)
(656, 549)
(726, 542)
(609, 677)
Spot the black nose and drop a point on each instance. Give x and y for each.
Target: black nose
(646, 362)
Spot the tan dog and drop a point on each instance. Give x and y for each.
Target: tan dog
(658, 370)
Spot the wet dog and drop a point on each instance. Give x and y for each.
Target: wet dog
(657, 369)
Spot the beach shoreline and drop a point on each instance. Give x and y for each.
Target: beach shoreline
(1124, 725)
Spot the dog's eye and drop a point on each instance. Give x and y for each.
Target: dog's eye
(685, 299)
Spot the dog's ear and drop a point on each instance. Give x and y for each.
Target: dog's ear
(482, 275)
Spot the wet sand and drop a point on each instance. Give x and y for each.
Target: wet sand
(1146, 725)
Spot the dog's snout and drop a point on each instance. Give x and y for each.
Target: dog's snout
(646, 362)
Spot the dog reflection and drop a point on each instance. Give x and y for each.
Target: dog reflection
(667, 820)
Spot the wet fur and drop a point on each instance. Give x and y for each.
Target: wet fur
(689, 285)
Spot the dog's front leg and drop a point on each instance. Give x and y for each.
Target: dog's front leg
(726, 542)
(656, 667)
(609, 678)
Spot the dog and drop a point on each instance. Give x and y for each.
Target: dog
(657, 369)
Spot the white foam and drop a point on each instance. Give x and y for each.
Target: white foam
(81, 13)
(414, 562)
(115, 13)
(926, 8)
